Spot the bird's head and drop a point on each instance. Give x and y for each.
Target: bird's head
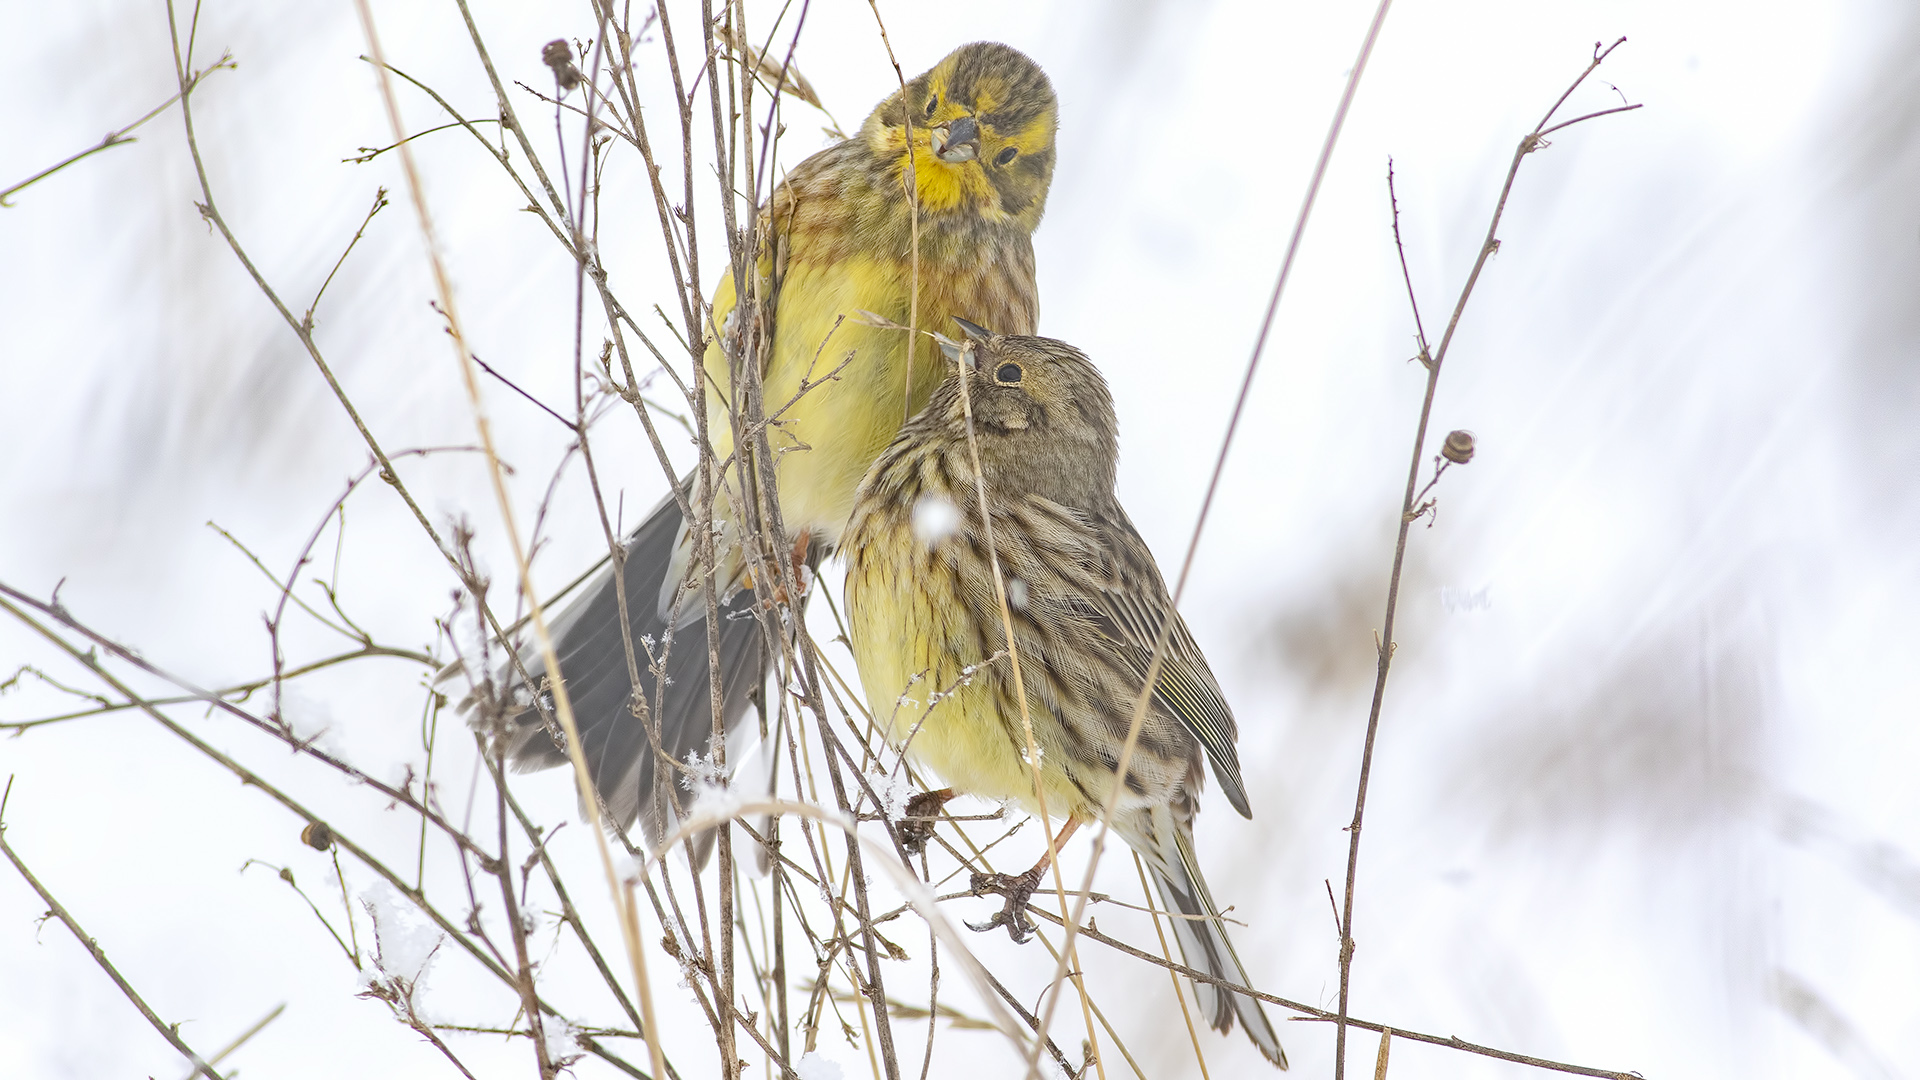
(1042, 414)
(982, 126)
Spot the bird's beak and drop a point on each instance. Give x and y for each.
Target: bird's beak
(974, 330)
(954, 350)
(957, 141)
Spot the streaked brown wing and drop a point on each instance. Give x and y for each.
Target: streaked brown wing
(1130, 606)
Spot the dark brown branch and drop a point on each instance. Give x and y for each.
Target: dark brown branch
(568, 913)
(1413, 302)
(368, 153)
(1589, 116)
(578, 427)
(523, 966)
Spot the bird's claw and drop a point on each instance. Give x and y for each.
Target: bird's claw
(1018, 889)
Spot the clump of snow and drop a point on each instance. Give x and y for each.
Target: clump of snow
(714, 801)
(812, 1066)
(405, 941)
(1459, 601)
(683, 952)
(307, 718)
(935, 518)
(469, 640)
(894, 790)
(563, 1047)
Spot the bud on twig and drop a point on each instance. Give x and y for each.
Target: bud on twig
(1458, 448)
(317, 835)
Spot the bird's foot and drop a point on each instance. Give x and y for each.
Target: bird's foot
(923, 809)
(1018, 889)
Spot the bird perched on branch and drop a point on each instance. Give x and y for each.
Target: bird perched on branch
(1087, 606)
(960, 157)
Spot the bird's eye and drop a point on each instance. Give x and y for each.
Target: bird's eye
(1008, 375)
(1007, 155)
(932, 104)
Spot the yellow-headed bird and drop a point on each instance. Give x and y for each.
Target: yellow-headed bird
(840, 241)
(1087, 605)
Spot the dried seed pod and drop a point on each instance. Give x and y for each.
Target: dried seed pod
(1458, 448)
(558, 55)
(317, 835)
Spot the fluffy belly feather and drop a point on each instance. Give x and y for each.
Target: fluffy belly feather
(965, 727)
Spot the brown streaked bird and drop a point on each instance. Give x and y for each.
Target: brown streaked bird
(1087, 604)
(839, 232)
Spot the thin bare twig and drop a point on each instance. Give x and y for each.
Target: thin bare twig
(1384, 654)
(1309, 1013)
(169, 1032)
(88, 660)
(379, 204)
(244, 1037)
(118, 137)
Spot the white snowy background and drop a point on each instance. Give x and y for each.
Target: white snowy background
(1644, 797)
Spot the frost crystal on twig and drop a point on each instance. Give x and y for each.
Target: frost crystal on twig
(703, 772)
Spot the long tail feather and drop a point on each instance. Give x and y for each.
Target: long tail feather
(1166, 845)
(632, 781)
